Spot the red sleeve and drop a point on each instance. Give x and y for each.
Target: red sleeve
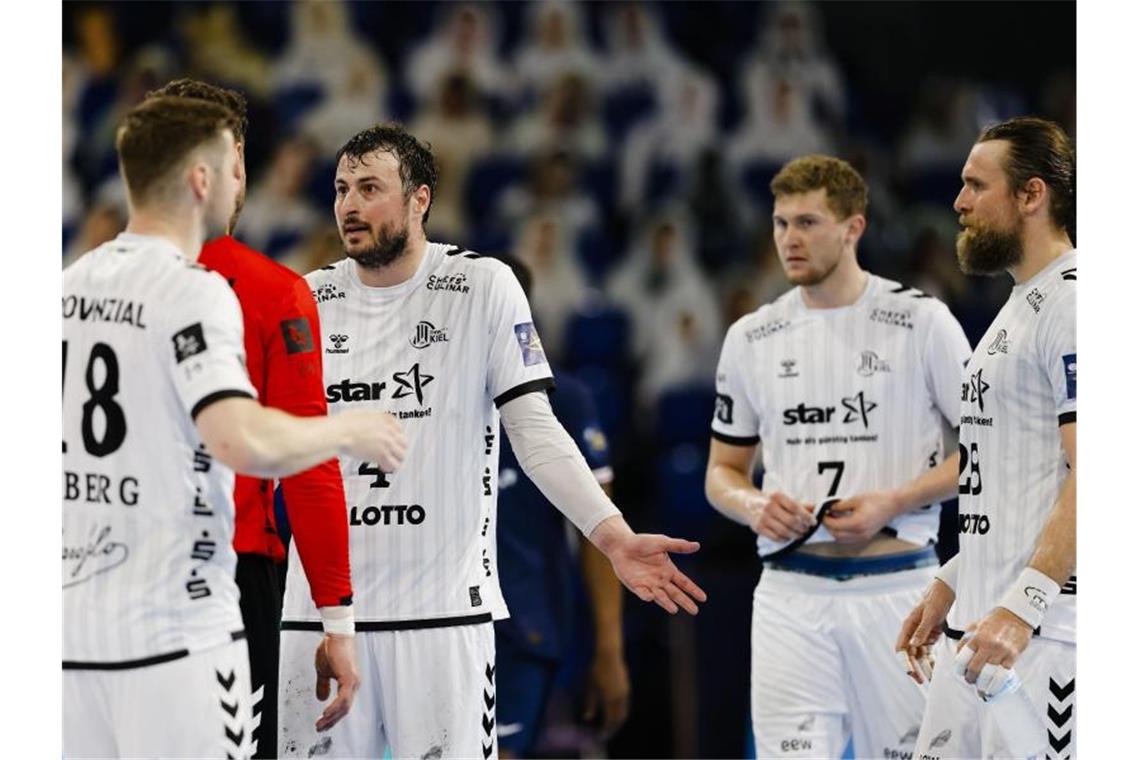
(314, 499)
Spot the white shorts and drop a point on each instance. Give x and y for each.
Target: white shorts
(824, 668)
(424, 693)
(196, 706)
(957, 723)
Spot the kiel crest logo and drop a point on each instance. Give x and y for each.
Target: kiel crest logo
(870, 363)
(426, 333)
(412, 381)
(975, 390)
(1000, 344)
(789, 366)
(338, 340)
(858, 408)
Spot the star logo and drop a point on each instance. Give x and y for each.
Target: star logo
(858, 408)
(975, 390)
(412, 381)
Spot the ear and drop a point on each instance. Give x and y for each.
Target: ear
(1033, 196)
(856, 225)
(200, 179)
(421, 199)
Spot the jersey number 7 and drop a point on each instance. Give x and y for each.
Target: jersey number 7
(838, 467)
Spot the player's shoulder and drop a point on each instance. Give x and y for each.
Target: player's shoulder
(235, 260)
(766, 321)
(329, 283)
(460, 270)
(903, 305)
(1055, 295)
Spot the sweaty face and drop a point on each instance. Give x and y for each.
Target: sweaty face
(990, 241)
(809, 236)
(372, 212)
(225, 190)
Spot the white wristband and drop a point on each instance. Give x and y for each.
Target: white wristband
(1031, 596)
(339, 621)
(948, 574)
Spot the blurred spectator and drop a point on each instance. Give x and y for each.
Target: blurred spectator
(660, 155)
(101, 223)
(566, 119)
(465, 41)
(638, 54)
(319, 248)
(149, 68)
(458, 130)
(354, 102)
(755, 281)
(554, 47)
(778, 127)
(676, 321)
(719, 210)
(325, 52)
(72, 188)
(551, 189)
(277, 215)
(218, 50)
(791, 48)
(942, 128)
(559, 284)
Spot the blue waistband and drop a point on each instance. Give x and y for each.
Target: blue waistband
(845, 568)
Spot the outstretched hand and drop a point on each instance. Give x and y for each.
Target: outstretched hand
(641, 562)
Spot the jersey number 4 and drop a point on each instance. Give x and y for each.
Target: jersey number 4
(102, 400)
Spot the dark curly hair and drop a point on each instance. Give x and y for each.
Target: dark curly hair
(417, 164)
(195, 88)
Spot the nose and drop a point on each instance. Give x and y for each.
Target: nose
(960, 203)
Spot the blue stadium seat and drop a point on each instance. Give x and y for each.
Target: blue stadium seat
(320, 188)
(938, 186)
(292, 103)
(684, 415)
(755, 177)
(680, 473)
(487, 180)
(611, 391)
(598, 336)
(622, 109)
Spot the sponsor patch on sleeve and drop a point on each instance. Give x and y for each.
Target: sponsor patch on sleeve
(189, 341)
(724, 408)
(1070, 362)
(298, 337)
(529, 344)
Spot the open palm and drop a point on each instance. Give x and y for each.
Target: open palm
(642, 563)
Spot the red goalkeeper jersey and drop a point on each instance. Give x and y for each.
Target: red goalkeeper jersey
(283, 357)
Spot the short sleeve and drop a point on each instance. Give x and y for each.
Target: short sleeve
(1057, 352)
(735, 421)
(205, 345)
(516, 362)
(945, 355)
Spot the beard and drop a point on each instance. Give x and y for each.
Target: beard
(811, 276)
(988, 251)
(239, 203)
(387, 247)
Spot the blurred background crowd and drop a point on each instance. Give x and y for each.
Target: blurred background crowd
(623, 151)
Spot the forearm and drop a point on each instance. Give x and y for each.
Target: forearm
(548, 456)
(314, 501)
(936, 484)
(1056, 553)
(269, 443)
(730, 492)
(605, 598)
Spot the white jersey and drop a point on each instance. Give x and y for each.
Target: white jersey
(441, 351)
(845, 400)
(1021, 386)
(149, 340)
